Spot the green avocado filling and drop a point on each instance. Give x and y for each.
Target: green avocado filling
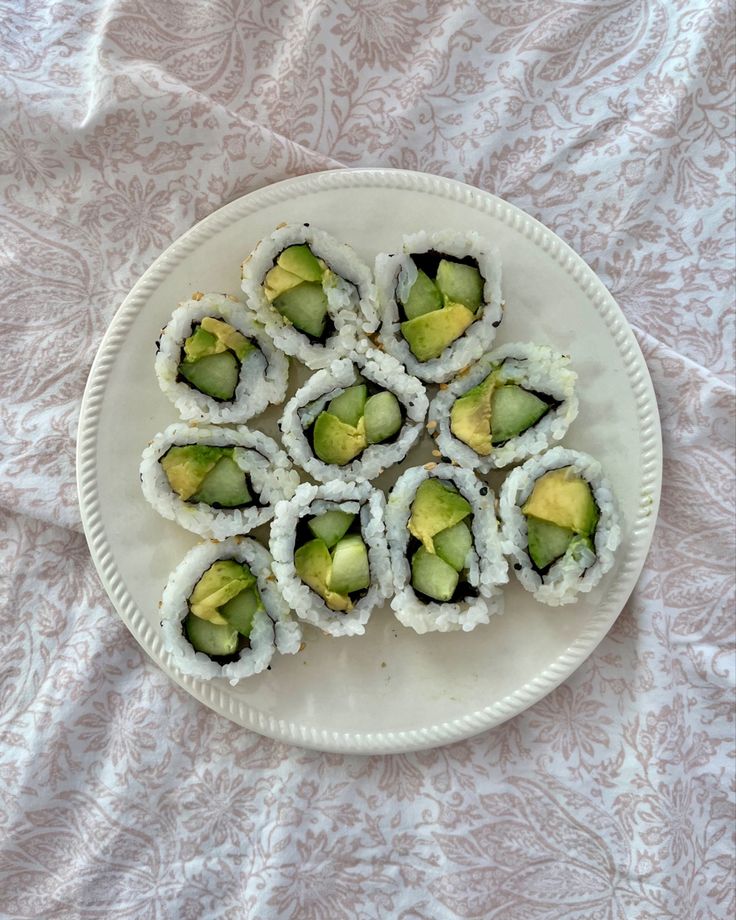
(212, 356)
(201, 473)
(296, 288)
(333, 559)
(222, 607)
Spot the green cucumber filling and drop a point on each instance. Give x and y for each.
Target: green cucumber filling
(332, 559)
(493, 412)
(440, 525)
(445, 299)
(211, 358)
(359, 416)
(222, 606)
(295, 286)
(561, 517)
(201, 473)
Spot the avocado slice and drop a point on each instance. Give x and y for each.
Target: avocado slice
(331, 526)
(336, 442)
(187, 466)
(424, 297)
(221, 582)
(349, 406)
(350, 570)
(313, 565)
(433, 576)
(546, 541)
(382, 417)
(470, 417)
(278, 281)
(210, 638)
(513, 410)
(460, 283)
(299, 260)
(453, 545)
(429, 335)
(202, 343)
(239, 611)
(435, 508)
(224, 485)
(564, 498)
(214, 375)
(305, 306)
(228, 336)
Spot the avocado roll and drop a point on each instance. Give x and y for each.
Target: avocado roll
(330, 555)
(215, 481)
(216, 364)
(354, 419)
(313, 294)
(506, 407)
(560, 524)
(222, 614)
(440, 302)
(446, 554)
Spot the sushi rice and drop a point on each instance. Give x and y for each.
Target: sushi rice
(395, 276)
(308, 501)
(487, 568)
(308, 402)
(574, 573)
(350, 292)
(269, 469)
(273, 630)
(534, 367)
(263, 374)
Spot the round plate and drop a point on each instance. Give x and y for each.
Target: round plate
(389, 690)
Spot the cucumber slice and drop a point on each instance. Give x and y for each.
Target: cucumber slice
(350, 569)
(382, 417)
(209, 638)
(225, 485)
(513, 410)
(424, 297)
(460, 284)
(546, 541)
(305, 306)
(453, 545)
(213, 375)
(331, 526)
(349, 406)
(240, 610)
(433, 576)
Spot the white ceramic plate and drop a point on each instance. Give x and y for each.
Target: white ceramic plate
(390, 690)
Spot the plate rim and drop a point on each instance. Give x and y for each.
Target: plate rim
(212, 693)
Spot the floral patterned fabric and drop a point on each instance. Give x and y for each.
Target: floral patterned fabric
(123, 123)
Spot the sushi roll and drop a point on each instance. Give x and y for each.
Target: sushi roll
(560, 524)
(440, 302)
(446, 555)
(313, 294)
(216, 482)
(352, 421)
(216, 364)
(508, 406)
(222, 614)
(330, 555)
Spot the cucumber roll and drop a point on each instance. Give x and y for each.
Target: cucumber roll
(352, 421)
(440, 302)
(216, 364)
(560, 524)
(330, 555)
(508, 406)
(446, 555)
(222, 614)
(313, 294)
(216, 482)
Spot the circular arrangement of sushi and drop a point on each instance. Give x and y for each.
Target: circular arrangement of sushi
(397, 352)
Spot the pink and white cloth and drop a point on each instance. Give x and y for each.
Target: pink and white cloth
(123, 123)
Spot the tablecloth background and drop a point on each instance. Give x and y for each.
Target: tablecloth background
(123, 123)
